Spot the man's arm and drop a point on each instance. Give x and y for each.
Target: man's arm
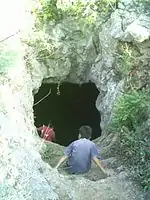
(95, 154)
(99, 164)
(61, 161)
(65, 157)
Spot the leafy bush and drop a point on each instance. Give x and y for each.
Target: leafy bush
(131, 110)
(48, 10)
(135, 152)
(125, 59)
(43, 47)
(90, 10)
(131, 121)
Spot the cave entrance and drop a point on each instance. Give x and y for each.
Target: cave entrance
(67, 111)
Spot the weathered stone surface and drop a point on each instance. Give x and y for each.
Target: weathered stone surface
(84, 54)
(73, 187)
(72, 54)
(102, 74)
(80, 55)
(20, 176)
(130, 22)
(125, 24)
(99, 186)
(25, 176)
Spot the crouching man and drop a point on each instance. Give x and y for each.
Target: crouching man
(47, 133)
(81, 152)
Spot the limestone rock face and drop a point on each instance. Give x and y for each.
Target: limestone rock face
(23, 174)
(80, 52)
(102, 73)
(20, 177)
(131, 22)
(77, 53)
(72, 53)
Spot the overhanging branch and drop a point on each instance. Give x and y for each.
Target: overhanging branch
(43, 98)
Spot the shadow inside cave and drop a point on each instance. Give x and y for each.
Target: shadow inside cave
(67, 111)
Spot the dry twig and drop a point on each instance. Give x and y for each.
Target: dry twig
(43, 98)
(9, 36)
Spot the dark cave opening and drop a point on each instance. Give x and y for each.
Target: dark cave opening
(67, 111)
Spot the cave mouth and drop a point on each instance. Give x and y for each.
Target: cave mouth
(67, 109)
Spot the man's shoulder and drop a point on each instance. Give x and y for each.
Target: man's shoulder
(75, 141)
(91, 143)
(83, 140)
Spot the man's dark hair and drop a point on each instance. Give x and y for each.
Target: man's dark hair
(85, 132)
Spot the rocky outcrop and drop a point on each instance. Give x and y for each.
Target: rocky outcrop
(20, 161)
(128, 23)
(23, 174)
(78, 54)
(131, 22)
(72, 52)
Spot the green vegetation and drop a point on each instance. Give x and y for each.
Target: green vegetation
(52, 12)
(48, 10)
(129, 67)
(125, 59)
(42, 48)
(89, 11)
(131, 110)
(131, 113)
(130, 116)
(135, 152)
